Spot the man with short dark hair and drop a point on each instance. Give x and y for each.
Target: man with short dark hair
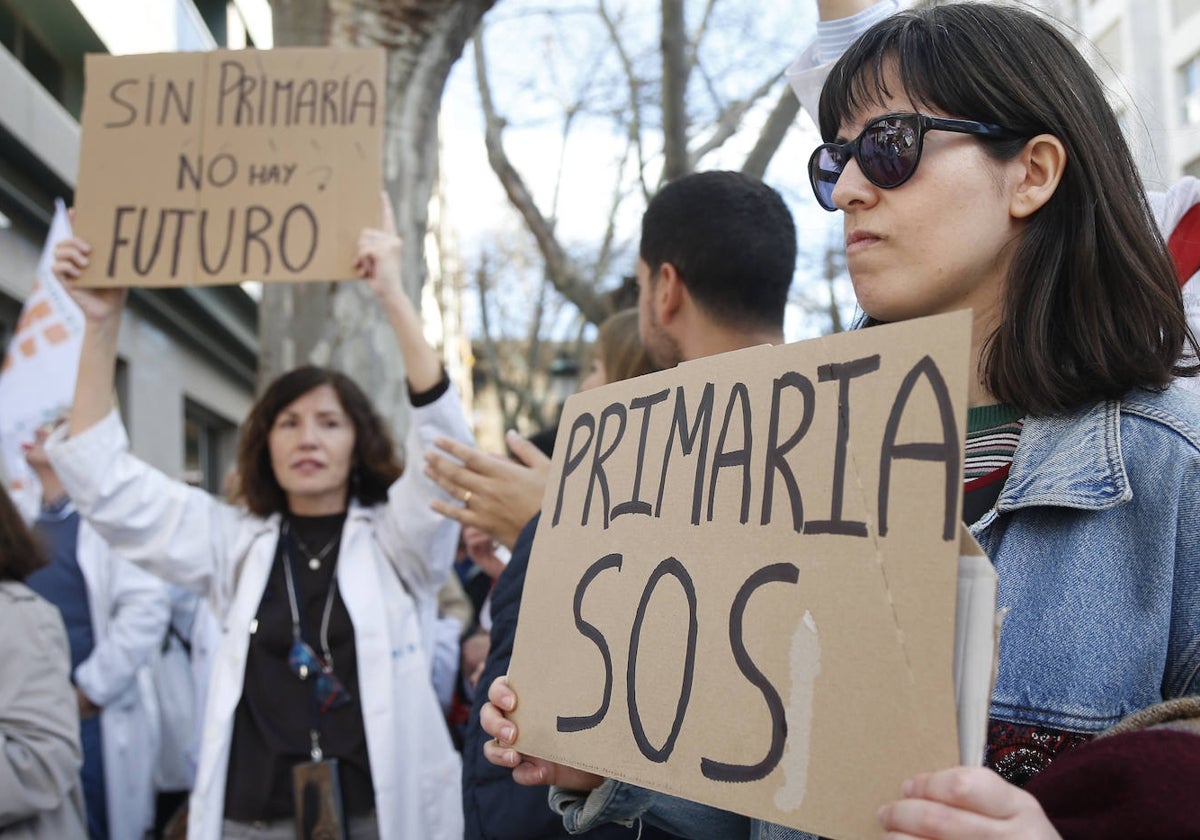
(717, 255)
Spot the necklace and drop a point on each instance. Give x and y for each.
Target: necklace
(315, 558)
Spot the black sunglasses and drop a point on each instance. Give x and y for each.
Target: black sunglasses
(887, 151)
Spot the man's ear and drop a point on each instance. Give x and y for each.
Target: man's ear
(1040, 167)
(670, 291)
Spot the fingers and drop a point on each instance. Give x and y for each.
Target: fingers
(921, 818)
(501, 695)
(525, 452)
(964, 803)
(376, 248)
(388, 218)
(471, 458)
(451, 477)
(70, 258)
(975, 789)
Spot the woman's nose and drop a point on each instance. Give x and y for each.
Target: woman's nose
(853, 188)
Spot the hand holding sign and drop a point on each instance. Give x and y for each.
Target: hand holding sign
(71, 256)
(965, 802)
(527, 770)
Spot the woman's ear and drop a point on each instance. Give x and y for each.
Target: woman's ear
(1040, 169)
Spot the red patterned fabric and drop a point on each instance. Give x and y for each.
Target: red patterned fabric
(1184, 244)
(1019, 752)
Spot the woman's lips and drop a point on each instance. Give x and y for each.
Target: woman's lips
(859, 239)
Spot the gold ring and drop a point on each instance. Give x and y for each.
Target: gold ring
(466, 498)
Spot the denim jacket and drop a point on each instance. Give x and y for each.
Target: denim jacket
(1096, 538)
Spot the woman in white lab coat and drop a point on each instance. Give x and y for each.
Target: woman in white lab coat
(324, 580)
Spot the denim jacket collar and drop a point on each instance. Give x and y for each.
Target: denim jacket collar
(1070, 460)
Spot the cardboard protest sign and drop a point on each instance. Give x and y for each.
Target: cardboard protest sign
(220, 167)
(742, 589)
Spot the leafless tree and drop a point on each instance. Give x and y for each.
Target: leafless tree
(674, 101)
(337, 324)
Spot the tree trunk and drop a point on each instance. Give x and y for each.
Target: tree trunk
(339, 324)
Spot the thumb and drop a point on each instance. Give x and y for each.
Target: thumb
(388, 219)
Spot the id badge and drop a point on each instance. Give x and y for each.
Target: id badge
(319, 814)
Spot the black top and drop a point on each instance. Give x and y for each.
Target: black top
(273, 721)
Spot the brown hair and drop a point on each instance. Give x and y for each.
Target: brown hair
(620, 347)
(20, 552)
(375, 465)
(1093, 307)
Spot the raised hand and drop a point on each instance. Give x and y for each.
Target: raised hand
(378, 260)
(71, 257)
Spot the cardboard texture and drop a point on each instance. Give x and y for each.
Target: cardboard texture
(755, 607)
(232, 165)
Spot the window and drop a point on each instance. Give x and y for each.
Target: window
(31, 52)
(1189, 91)
(208, 441)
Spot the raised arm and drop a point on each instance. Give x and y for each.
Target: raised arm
(379, 263)
(102, 323)
(839, 22)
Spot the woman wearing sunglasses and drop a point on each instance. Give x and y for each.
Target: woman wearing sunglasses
(324, 580)
(978, 166)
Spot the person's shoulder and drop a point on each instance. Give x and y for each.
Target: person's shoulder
(20, 604)
(1173, 410)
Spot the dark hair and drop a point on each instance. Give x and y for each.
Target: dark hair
(1092, 306)
(21, 553)
(620, 347)
(374, 468)
(732, 241)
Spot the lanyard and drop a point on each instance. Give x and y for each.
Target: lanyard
(326, 662)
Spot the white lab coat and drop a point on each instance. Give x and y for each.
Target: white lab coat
(392, 560)
(130, 611)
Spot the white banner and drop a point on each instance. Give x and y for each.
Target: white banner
(37, 381)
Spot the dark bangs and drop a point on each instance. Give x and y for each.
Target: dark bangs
(938, 68)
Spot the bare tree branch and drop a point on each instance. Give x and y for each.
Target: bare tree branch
(634, 129)
(698, 38)
(676, 161)
(771, 137)
(730, 120)
(559, 268)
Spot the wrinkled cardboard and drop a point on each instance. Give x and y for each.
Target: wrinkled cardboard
(232, 165)
(812, 646)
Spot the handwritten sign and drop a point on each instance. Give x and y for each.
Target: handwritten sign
(742, 588)
(220, 167)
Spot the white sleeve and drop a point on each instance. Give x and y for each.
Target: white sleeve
(179, 533)
(807, 73)
(418, 541)
(139, 613)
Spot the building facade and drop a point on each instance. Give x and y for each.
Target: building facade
(186, 373)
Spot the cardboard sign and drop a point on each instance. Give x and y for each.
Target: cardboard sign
(225, 166)
(742, 589)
